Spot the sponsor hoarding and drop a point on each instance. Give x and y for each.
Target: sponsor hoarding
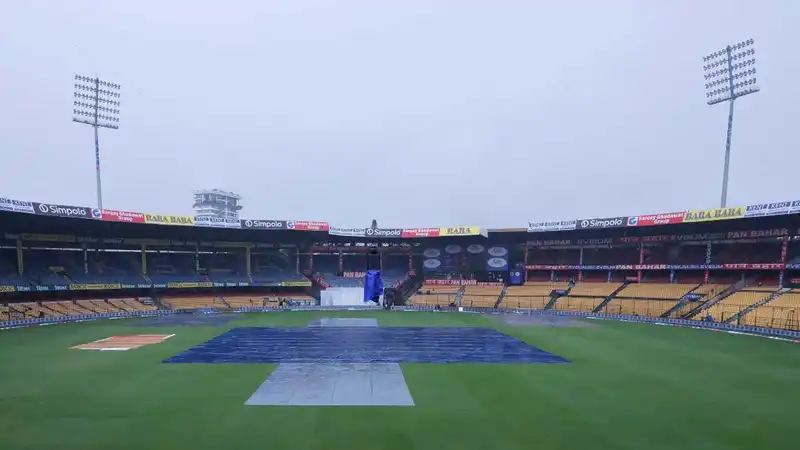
(707, 215)
(459, 283)
(419, 232)
(765, 266)
(263, 224)
(94, 287)
(496, 264)
(772, 209)
(349, 232)
(47, 209)
(656, 219)
(757, 266)
(295, 283)
(557, 225)
(162, 219)
(7, 204)
(307, 225)
(216, 222)
(7, 289)
(354, 274)
(190, 284)
(608, 222)
(459, 231)
(384, 232)
(111, 215)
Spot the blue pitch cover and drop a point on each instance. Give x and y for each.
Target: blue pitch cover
(373, 286)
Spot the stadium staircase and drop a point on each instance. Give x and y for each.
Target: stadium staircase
(683, 301)
(735, 318)
(714, 300)
(555, 296)
(460, 294)
(319, 282)
(147, 279)
(500, 297)
(610, 297)
(225, 302)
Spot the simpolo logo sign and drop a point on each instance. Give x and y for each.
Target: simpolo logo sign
(265, 224)
(611, 222)
(62, 210)
(384, 232)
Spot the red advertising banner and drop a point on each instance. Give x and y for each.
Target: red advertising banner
(651, 267)
(656, 219)
(307, 225)
(419, 232)
(545, 267)
(757, 266)
(459, 283)
(111, 215)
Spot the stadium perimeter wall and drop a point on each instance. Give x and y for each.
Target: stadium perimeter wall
(760, 331)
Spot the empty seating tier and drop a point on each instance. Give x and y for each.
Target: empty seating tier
(432, 300)
(535, 289)
(593, 289)
(527, 302)
(194, 302)
(637, 307)
(731, 305)
(782, 312)
(662, 291)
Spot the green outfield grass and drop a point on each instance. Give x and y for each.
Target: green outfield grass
(631, 386)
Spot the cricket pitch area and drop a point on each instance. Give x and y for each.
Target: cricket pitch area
(393, 380)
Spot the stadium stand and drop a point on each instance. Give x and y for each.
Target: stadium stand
(252, 301)
(582, 304)
(661, 291)
(593, 289)
(194, 302)
(481, 296)
(639, 307)
(732, 305)
(781, 312)
(435, 295)
(647, 299)
(172, 268)
(531, 295)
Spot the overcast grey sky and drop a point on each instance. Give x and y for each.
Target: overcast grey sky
(417, 113)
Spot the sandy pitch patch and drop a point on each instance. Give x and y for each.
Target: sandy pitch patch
(122, 343)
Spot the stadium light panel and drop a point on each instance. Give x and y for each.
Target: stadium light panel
(728, 76)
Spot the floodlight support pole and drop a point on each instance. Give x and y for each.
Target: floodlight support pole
(97, 166)
(97, 145)
(99, 113)
(724, 200)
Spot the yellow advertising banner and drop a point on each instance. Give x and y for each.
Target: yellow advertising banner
(459, 231)
(94, 287)
(295, 283)
(162, 219)
(707, 215)
(190, 284)
(7, 289)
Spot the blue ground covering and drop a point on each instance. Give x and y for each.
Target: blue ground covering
(365, 345)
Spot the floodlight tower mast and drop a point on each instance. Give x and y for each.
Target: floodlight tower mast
(730, 74)
(97, 104)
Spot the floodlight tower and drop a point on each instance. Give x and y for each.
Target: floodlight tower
(97, 104)
(730, 74)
